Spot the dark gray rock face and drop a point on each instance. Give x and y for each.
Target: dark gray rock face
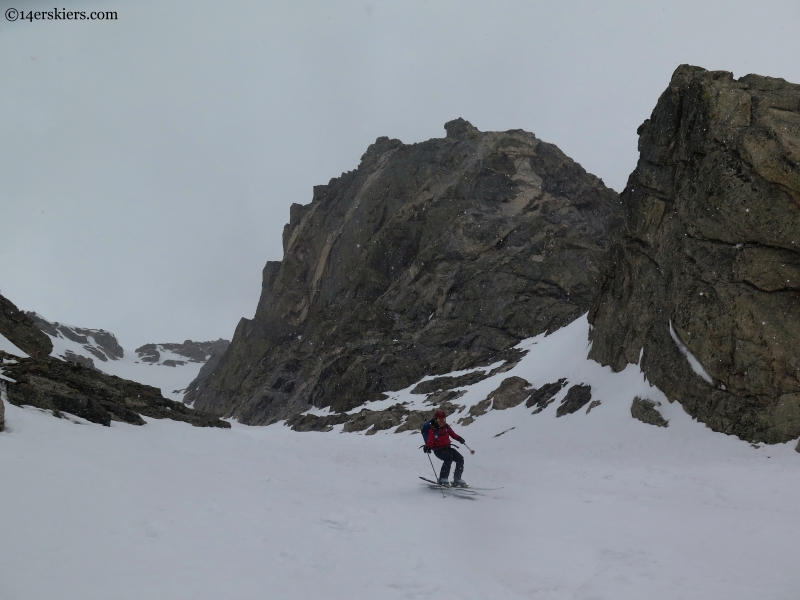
(712, 249)
(148, 353)
(428, 258)
(544, 396)
(513, 391)
(510, 357)
(173, 363)
(87, 362)
(577, 397)
(645, 411)
(448, 383)
(215, 352)
(2, 406)
(51, 384)
(317, 423)
(21, 331)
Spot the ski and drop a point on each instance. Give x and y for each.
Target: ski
(435, 485)
(468, 488)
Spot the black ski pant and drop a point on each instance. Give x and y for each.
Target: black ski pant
(448, 455)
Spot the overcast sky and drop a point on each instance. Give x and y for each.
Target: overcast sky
(147, 164)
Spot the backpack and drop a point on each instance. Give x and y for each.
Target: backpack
(426, 427)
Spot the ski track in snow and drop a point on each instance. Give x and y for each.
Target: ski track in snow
(596, 506)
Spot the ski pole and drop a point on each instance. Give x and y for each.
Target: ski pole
(471, 451)
(434, 474)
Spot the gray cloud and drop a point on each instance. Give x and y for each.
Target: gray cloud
(148, 163)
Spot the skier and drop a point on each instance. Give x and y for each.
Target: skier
(438, 440)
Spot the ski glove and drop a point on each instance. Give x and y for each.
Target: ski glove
(460, 439)
(426, 449)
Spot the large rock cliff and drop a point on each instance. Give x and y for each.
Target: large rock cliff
(428, 258)
(704, 289)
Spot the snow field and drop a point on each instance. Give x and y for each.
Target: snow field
(167, 379)
(594, 506)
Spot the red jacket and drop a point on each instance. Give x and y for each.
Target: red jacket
(439, 437)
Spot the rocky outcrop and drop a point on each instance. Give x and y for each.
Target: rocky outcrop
(64, 387)
(704, 289)
(545, 395)
(577, 397)
(512, 391)
(645, 411)
(21, 331)
(510, 358)
(100, 343)
(87, 362)
(373, 421)
(593, 404)
(198, 352)
(429, 258)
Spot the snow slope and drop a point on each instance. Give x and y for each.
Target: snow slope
(593, 506)
(559, 355)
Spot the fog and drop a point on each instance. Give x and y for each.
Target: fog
(148, 162)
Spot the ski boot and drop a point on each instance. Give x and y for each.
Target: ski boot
(443, 482)
(459, 483)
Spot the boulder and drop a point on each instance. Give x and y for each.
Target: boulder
(645, 411)
(703, 289)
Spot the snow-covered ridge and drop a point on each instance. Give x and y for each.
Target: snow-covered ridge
(189, 351)
(169, 367)
(98, 343)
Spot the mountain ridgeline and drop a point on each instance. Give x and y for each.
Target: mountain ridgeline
(440, 256)
(428, 258)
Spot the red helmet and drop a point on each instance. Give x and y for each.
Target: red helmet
(439, 414)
